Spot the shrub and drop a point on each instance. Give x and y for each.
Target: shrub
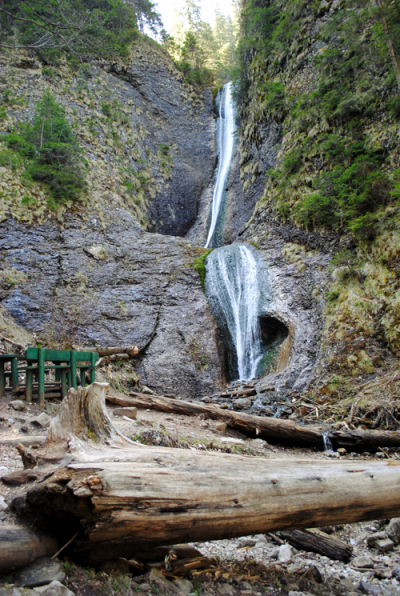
(200, 265)
(394, 106)
(51, 151)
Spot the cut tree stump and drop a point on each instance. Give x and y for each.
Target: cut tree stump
(269, 429)
(123, 497)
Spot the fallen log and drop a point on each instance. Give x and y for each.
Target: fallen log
(19, 546)
(316, 541)
(123, 498)
(272, 429)
(115, 357)
(269, 429)
(239, 392)
(130, 350)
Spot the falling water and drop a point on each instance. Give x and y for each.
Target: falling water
(225, 147)
(237, 288)
(327, 443)
(236, 279)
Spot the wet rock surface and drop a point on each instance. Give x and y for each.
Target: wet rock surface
(188, 127)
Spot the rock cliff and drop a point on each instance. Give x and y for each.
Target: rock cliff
(319, 81)
(121, 260)
(90, 273)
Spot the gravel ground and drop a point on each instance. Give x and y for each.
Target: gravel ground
(251, 565)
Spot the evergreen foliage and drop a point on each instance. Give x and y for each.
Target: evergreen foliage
(146, 15)
(332, 175)
(50, 151)
(205, 54)
(81, 28)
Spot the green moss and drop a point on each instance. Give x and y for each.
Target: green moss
(199, 265)
(215, 93)
(334, 171)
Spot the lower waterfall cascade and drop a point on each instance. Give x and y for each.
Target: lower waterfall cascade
(237, 288)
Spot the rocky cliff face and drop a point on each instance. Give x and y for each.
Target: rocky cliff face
(90, 274)
(97, 278)
(342, 282)
(90, 284)
(148, 137)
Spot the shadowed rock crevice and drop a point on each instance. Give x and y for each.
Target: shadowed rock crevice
(276, 344)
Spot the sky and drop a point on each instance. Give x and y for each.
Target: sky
(167, 7)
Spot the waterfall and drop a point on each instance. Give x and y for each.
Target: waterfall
(225, 146)
(236, 278)
(237, 287)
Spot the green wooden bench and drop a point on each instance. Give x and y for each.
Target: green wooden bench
(64, 363)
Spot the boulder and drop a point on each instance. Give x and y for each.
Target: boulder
(40, 572)
(164, 586)
(53, 589)
(242, 403)
(18, 405)
(129, 412)
(42, 420)
(285, 553)
(384, 545)
(184, 585)
(371, 540)
(363, 562)
(393, 530)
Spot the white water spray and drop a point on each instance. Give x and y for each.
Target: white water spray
(225, 147)
(236, 284)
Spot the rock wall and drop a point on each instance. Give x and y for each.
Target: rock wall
(147, 136)
(93, 284)
(340, 290)
(89, 273)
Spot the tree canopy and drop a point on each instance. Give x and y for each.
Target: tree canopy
(80, 27)
(51, 151)
(204, 52)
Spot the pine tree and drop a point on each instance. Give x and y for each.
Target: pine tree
(51, 150)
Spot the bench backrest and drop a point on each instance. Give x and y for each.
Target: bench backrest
(61, 355)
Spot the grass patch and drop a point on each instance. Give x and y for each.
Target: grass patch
(199, 264)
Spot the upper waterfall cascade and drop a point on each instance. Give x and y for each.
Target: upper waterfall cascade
(236, 277)
(225, 147)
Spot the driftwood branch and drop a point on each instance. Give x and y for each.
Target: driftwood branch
(270, 429)
(10, 341)
(316, 541)
(103, 351)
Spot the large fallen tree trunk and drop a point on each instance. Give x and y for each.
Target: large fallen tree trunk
(270, 429)
(123, 497)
